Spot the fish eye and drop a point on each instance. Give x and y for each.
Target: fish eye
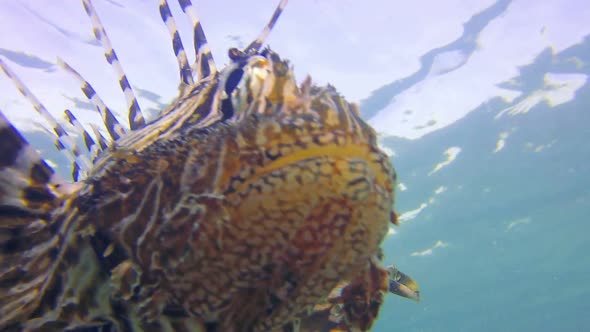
(242, 79)
(233, 80)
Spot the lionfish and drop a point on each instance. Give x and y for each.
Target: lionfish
(250, 203)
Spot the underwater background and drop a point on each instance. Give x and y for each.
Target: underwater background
(484, 107)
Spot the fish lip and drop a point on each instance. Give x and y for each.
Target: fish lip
(407, 292)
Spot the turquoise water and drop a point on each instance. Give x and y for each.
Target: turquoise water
(514, 223)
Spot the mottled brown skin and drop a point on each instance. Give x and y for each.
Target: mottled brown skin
(353, 305)
(238, 209)
(248, 224)
(238, 225)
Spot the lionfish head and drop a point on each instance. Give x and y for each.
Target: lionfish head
(253, 80)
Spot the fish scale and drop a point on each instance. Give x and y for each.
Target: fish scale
(251, 203)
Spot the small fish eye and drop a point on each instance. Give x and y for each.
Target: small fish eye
(232, 81)
(235, 54)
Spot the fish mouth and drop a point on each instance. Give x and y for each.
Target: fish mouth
(403, 285)
(332, 151)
